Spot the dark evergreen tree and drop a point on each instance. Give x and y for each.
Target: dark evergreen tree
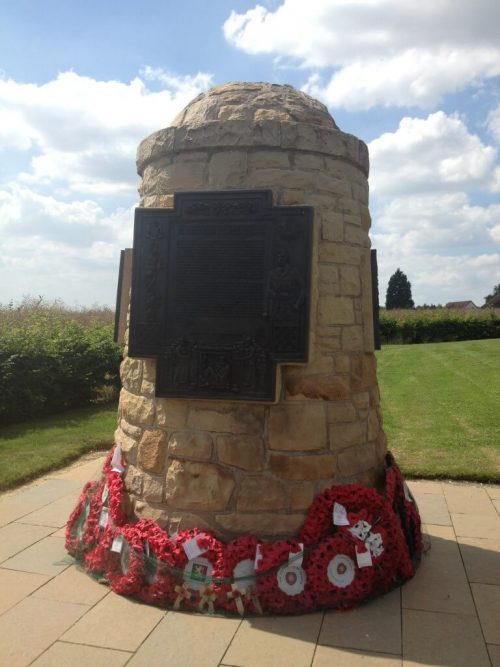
(398, 292)
(490, 297)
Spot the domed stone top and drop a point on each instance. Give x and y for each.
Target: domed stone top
(255, 102)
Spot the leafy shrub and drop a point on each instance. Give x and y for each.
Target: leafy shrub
(438, 325)
(49, 361)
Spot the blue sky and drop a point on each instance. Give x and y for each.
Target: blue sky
(81, 84)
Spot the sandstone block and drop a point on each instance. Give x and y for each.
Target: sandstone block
(301, 495)
(374, 396)
(352, 338)
(132, 431)
(227, 169)
(350, 282)
(360, 192)
(335, 310)
(137, 409)
(233, 112)
(340, 412)
(178, 521)
(356, 235)
(317, 466)
(328, 276)
(328, 340)
(234, 133)
(268, 160)
(191, 444)
(156, 145)
(241, 451)
(333, 229)
(347, 434)
(224, 419)
(361, 400)
(127, 443)
(349, 206)
(152, 451)
(264, 524)
(357, 459)
(339, 253)
(297, 427)
(149, 370)
(363, 371)
(133, 480)
(342, 363)
(292, 197)
(198, 486)
(152, 488)
(365, 217)
(309, 161)
(158, 513)
(320, 387)
(261, 494)
(373, 425)
(148, 388)
(171, 414)
(131, 374)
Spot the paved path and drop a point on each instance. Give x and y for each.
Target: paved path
(53, 615)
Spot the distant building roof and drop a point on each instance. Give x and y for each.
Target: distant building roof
(461, 304)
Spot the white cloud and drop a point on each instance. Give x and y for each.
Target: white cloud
(494, 123)
(427, 155)
(84, 132)
(384, 52)
(424, 221)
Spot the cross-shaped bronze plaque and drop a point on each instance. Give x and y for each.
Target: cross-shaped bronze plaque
(220, 292)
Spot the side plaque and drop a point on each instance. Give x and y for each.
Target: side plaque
(220, 293)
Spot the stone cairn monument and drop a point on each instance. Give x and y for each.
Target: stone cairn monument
(249, 375)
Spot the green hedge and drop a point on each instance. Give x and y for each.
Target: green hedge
(438, 325)
(50, 362)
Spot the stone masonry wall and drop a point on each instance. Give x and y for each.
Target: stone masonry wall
(246, 468)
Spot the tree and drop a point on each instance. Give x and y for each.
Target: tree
(496, 291)
(398, 292)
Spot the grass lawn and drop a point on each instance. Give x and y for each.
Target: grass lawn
(441, 406)
(32, 448)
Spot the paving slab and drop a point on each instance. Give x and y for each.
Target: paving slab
(32, 626)
(331, 656)
(493, 490)
(115, 622)
(15, 537)
(451, 640)
(73, 585)
(275, 640)
(48, 556)
(185, 640)
(15, 586)
(418, 486)
(433, 509)
(481, 558)
(77, 655)
(14, 505)
(476, 525)
(494, 652)
(81, 471)
(54, 514)
(440, 583)
(487, 598)
(375, 626)
(467, 499)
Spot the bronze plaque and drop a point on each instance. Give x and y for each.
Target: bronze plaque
(220, 293)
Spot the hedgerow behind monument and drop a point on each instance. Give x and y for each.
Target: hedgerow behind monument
(52, 358)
